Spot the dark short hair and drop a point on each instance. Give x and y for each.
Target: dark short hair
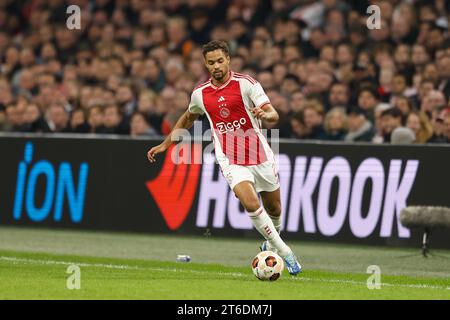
(144, 116)
(393, 112)
(293, 77)
(216, 45)
(357, 111)
(369, 89)
(298, 116)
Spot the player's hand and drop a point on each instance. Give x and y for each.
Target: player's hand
(154, 151)
(259, 113)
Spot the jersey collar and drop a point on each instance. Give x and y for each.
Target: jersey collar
(223, 85)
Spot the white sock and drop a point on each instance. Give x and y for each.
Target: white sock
(276, 222)
(265, 226)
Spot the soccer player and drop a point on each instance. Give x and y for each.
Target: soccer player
(235, 105)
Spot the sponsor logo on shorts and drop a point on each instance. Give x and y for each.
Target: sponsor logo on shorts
(229, 177)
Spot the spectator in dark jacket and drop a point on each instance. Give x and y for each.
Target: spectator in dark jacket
(391, 119)
(58, 118)
(360, 129)
(95, 120)
(336, 124)
(313, 117)
(34, 119)
(78, 122)
(140, 125)
(114, 120)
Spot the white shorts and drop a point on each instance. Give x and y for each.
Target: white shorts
(264, 176)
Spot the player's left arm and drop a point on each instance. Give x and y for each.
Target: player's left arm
(263, 109)
(266, 113)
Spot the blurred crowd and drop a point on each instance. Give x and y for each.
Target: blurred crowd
(132, 66)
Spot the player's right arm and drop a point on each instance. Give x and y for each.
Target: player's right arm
(184, 122)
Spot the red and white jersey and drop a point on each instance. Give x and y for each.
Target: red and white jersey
(237, 134)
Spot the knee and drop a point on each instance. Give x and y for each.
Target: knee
(251, 205)
(274, 209)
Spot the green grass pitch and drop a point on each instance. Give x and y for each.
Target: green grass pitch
(34, 263)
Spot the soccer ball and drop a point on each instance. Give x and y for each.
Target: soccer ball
(267, 265)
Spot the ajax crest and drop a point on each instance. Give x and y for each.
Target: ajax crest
(224, 112)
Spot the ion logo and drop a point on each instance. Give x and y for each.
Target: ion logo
(59, 185)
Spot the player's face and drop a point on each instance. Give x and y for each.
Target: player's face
(218, 64)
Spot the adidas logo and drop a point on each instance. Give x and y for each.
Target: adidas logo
(221, 99)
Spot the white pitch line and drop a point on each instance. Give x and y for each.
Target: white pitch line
(112, 266)
(233, 274)
(53, 262)
(411, 286)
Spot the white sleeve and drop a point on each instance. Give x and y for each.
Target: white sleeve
(257, 95)
(196, 105)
